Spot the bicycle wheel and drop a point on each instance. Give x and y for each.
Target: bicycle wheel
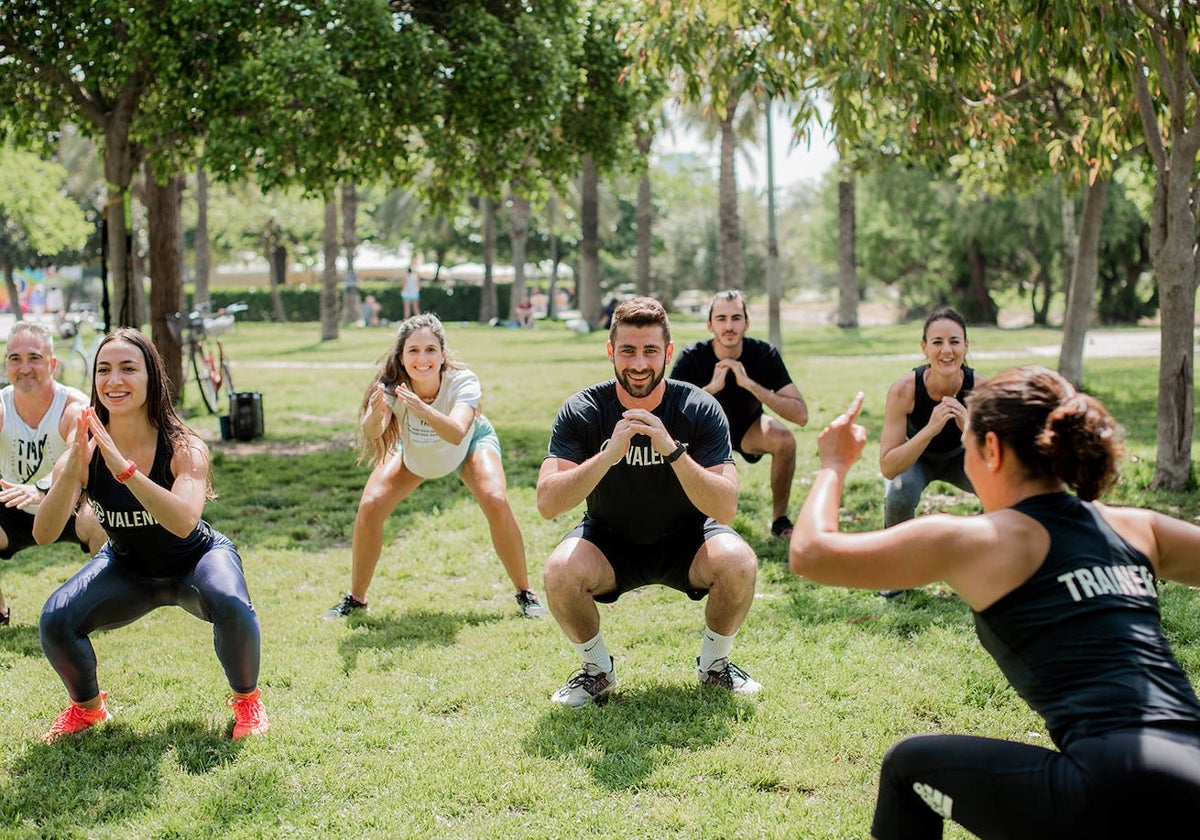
(226, 377)
(204, 379)
(75, 371)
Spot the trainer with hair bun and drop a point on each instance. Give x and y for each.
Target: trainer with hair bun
(1065, 598)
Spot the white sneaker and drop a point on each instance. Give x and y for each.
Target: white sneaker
(587, 686)
(725, 674)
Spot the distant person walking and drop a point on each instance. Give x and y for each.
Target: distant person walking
(159, 552)
(411, 293)
(420, 419)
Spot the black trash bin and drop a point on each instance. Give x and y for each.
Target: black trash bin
(246, 415)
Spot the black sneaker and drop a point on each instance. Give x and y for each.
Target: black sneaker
(891, 593)
(6, 617)
(724, 674)
(349, 604)
(586, 687)
(781, 527)
(530, 606)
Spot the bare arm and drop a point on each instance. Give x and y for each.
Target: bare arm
(897, 451)
(452, 427)
(66, 482)
(786, 402)
(953, 549)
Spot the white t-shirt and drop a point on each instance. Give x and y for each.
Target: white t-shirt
(425, 452)
(28, 454)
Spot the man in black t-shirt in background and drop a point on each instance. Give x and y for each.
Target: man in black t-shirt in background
(744, 374)
(652, 459)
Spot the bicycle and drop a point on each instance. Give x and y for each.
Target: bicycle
(200, 341)
(75, 363)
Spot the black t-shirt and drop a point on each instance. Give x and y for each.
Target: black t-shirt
(763, 364)
(640, 498)
(949, 439)
(134, 535)
(1081, 641)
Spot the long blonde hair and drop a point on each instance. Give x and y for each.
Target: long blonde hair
(392, 374)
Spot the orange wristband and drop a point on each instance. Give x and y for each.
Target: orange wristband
(127, 474)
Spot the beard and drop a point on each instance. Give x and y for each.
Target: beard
(639, 390)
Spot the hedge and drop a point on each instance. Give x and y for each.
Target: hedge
(457, 303)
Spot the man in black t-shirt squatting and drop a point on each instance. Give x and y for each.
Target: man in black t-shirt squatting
(651, 458)
(744, 374)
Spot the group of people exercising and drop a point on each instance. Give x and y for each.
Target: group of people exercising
(1063, 588)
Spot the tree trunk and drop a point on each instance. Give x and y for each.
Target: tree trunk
(848, 294)
(518, 231)
(1081, 294)
(203, 254)
(163, 209)
(329, 275)
(277, 256)
(119, 165)
(982, 303)
(350, 302)
(1070, 238)
(644, 215)
(1175, 264)
(587, 287)
(14, 297)
(552, 217)
(733, 269)
(488, 308)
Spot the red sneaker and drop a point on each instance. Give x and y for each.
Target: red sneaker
(249, 716)
(76, 719)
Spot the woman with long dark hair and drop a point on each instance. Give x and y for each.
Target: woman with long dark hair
(147, 476)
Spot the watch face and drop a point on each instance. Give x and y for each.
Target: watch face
(43, 484)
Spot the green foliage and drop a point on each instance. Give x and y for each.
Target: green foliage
(36, 220)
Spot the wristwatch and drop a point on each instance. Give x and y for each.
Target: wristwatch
(43, 484)
(680, 448)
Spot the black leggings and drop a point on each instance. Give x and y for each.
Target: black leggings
(104, 595)
(1125, 784)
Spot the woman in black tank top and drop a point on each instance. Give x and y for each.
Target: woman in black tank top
(1064, 593)
(147, 476)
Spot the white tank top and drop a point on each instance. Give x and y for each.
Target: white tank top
(28, 454)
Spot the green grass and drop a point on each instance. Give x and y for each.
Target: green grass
(429, 717)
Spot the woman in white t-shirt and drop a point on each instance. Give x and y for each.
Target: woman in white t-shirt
(420, 419)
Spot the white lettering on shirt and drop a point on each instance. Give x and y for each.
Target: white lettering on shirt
(1130, 579)
(643, 456)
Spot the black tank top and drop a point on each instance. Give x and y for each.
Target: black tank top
(949, 439)
(1081, 641)
(136, 538)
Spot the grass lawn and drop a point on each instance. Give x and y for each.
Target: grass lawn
(430, 716)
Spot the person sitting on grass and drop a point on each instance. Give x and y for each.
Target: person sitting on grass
(159, 552)
(420, 419)
(1065, 598)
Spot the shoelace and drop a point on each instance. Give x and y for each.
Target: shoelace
(586, 680)
(246, 710)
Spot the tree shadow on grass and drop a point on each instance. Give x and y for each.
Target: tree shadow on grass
(406, 631)
(624, 740)
(105, 776)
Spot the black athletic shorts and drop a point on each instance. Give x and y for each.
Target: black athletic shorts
(666, 562)
(18, 527)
